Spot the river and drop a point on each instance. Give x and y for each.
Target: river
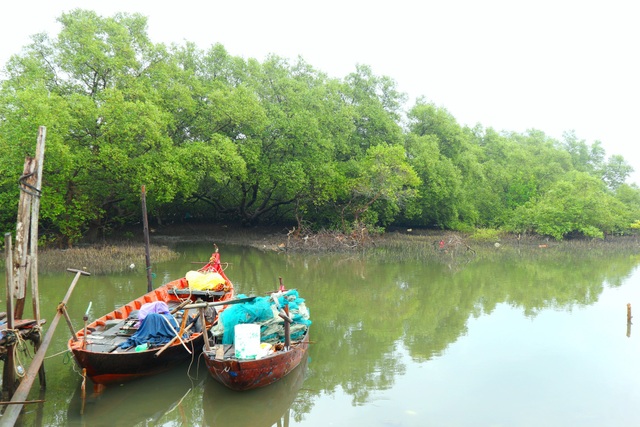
(521, 342)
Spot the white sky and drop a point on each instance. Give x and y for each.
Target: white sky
(552, 65)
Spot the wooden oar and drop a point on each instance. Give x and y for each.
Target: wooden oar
(180, 306)
(177, 336)
(185, 315)
(167, 345)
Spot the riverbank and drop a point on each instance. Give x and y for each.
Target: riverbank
(125, 250)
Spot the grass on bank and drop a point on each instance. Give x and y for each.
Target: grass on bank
(102, 259)
(401, 245)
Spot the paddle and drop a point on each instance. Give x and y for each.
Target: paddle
(176, 334)
(166, 346)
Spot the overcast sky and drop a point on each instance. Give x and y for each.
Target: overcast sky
(513, 65)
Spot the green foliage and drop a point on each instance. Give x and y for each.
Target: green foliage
(579, 204)
(485, 235)
(225, 138)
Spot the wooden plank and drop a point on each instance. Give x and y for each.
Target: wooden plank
(19, 324)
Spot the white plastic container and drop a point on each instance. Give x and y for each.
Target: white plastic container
(247, 340)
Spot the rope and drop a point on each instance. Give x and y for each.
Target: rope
(22, 180)
(20, 346)
(58, 354)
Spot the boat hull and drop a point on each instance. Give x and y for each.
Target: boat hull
(115, 368)
(244, 375)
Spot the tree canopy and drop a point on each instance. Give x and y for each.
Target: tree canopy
(222, 138)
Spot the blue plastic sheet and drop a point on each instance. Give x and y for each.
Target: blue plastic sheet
(154, 330)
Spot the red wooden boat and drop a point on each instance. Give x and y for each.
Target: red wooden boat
(245, 374)
(98, 346)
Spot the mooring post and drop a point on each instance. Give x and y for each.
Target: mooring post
(145, 222)
(35, 216)
(629, 316)
(8, 372)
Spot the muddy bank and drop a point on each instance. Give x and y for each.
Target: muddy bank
(124, 249)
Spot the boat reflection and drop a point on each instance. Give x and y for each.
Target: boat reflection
(142, 402)
(263, 407)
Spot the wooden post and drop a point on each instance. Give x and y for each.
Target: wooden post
(13, 411)
(85, 318)
(21, 268)
(205, 332)
(35, 216)
(8, 373)
(629, 316)
(287, 329)
(145, 223)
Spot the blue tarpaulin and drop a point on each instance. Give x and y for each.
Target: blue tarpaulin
(154, 330)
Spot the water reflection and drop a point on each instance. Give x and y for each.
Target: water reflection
(264, 407)
(387, 331)
(148, 401)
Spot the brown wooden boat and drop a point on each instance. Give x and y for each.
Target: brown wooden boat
(269, 406)
(98, 346)
(246, 374)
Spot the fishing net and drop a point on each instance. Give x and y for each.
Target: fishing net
(264, 311)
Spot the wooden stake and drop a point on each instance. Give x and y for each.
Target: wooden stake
(145, 223)
(21, 258)
(35, 215)
(205, 332)
(9, 373)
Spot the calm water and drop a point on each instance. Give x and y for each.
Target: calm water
(515, 343)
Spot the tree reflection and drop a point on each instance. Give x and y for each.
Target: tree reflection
(363, 310)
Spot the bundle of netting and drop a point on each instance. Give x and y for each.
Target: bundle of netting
(265, 312)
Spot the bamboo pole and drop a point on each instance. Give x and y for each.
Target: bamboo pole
(13, 411)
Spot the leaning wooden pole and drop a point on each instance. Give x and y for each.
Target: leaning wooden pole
(145, 222)
(13, 411)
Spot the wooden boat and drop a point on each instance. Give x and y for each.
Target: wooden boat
(244, 373)
(270, 406)
(98, 347)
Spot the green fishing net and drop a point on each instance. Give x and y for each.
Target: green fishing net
(264, 311)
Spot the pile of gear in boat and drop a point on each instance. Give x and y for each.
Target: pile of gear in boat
(154, 324)
(264, 311)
